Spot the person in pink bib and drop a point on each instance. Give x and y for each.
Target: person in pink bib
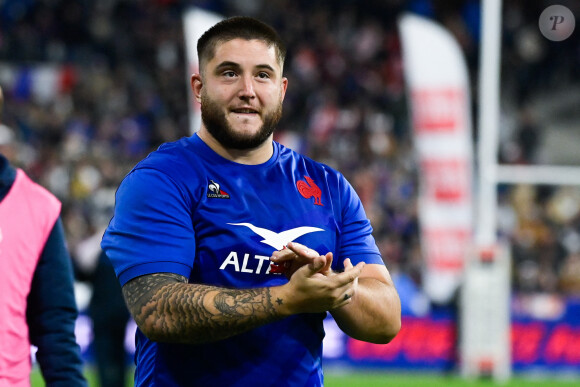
(37, 304)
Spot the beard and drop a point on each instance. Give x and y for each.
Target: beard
(214, 120)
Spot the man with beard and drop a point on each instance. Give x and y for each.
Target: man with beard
(209, 237)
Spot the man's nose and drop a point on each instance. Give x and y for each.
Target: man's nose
(247, 88)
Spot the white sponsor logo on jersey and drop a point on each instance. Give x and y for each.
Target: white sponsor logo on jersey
(276, 240)
(279, 240)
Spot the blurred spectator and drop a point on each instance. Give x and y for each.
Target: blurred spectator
(570, 275)
(8, 143)
(107, 311)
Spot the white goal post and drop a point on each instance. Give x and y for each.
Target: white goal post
(539, 174)
(485, 340)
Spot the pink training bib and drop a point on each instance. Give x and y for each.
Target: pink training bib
(27, 215)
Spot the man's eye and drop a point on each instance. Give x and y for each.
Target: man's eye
(263, 75)
(229, 74)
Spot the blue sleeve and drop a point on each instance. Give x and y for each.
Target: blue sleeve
(151, 230)
(52, 313)
(356, 240)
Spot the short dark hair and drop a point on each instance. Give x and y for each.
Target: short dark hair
(238, 27)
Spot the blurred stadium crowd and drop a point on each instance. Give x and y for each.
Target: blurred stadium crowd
(93, 86)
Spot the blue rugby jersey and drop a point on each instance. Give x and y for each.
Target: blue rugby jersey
(186, 210)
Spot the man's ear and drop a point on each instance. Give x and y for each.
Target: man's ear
(196, 85)
(283, 88)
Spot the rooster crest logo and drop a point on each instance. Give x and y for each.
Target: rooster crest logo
(308, 189)
(214, 191)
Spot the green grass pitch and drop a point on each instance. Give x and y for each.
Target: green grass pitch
(393, 379)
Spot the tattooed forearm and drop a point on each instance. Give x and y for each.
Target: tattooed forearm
(139, 291)
(166, 308)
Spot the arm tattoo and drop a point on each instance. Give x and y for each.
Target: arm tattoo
(167, 308)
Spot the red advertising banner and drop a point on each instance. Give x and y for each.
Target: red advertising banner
(438, 89)
(447, 247)
(421, 340)
(430, 342)
(447, 180)
(438, 110)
